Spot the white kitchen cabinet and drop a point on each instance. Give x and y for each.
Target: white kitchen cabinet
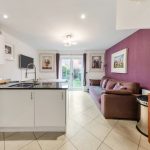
(16, 108)
(32, 110)
(2, 49)
(50, 108)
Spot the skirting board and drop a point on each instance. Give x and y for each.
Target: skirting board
(30, 129)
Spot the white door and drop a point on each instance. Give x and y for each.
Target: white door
(71, 69)
(50, 108)
(16, 108)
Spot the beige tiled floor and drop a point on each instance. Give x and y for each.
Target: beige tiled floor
(87, 129)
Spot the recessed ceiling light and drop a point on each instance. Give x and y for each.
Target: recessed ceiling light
(83, 16)
(5, 16)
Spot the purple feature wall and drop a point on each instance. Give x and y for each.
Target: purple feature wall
(138, 45)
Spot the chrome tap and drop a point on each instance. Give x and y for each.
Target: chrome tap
(26, 75)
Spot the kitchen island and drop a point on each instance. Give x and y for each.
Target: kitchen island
(33, 107)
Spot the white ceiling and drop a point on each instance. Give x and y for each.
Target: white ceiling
(44, 23)
(136, 16)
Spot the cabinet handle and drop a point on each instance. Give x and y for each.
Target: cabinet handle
(62, 96)
(31, 96)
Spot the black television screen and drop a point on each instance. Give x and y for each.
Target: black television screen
(24, 61)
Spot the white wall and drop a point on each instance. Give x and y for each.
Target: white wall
(90, 74)
(10, 70)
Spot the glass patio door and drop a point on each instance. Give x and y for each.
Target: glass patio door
(71, 70)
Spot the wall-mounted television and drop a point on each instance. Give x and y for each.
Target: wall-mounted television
(24, 61)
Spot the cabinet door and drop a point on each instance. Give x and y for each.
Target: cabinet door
(16, 108)
(50, 108)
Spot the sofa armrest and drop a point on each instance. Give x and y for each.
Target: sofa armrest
(118, 92)
(119, 106)
(95, 82)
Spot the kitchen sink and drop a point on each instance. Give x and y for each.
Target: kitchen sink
(24, 85)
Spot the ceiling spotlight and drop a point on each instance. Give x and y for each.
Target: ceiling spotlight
(83, 16)
(5, 16)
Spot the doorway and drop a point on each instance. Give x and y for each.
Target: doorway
(71, 69)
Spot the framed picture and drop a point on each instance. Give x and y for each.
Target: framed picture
(9, 51)
(96, 62)
(119, 62)
(46, 62)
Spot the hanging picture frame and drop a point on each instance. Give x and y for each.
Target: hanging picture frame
(46, 62)
(9, 51)
(119, 61)
(96, 62)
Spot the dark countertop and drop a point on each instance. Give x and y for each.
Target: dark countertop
(38, 86)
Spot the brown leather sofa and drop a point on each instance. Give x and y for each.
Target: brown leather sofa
(115, 99)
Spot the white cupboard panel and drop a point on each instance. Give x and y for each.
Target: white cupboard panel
(16, 108)
(50, 108)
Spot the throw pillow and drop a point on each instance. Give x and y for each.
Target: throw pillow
(118, 86)
(104, 83)
(110, 84)
(102, 79)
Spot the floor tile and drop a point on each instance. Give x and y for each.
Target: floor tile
(72, 128)
(129, 132)
(32, 146)
(92, 112)
(52, 141)
(119, 142)
(104, 147)
(68, 146)
(109, 123)
(141, 148)
(128, 123)
(82, 119)
(85, 141)
(97, 129)
(144, 142)
(18, 140)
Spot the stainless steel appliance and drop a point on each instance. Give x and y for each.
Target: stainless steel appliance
(142, 124)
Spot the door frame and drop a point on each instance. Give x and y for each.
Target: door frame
(71, 57)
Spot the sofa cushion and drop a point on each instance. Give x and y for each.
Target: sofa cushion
(131, 86)
(102, 79)
(104, 83)
(110, 84)
(118, 86)
(118, 92)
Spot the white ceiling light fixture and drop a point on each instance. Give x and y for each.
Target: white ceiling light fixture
(69, 41)
(83, 16)
(5, 16)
